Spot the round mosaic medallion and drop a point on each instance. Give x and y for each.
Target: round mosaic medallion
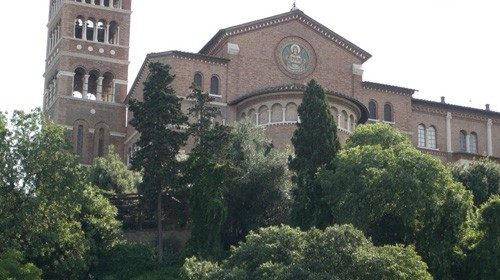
(295, 57)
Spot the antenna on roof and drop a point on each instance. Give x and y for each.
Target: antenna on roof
(294, 7)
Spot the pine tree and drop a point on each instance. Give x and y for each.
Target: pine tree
(158, 119)
(209, 172)
(316, 144)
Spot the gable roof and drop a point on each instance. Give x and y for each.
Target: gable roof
(297, 15)
(179, 54)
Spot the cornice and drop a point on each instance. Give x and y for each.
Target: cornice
(295, 15)
(389, 88)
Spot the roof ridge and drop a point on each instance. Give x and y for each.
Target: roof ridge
(291, 15)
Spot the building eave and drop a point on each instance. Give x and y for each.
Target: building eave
(298, 15)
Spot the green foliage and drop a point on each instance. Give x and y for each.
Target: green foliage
(158, 119)
(12, 267)
(400, 195)
(126, 261)
(482, 177)
(377, 134)
(49, 211)
(483, 260)
(259, 193)
(316, 144)
(110, 174)
(237, 181)
(338, 252)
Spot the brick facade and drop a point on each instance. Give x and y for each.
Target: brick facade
(261, 67)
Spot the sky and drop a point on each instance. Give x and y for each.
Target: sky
(439, 47)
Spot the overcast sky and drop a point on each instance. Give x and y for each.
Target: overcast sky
(439, 47)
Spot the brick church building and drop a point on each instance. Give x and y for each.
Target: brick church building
(256, 70)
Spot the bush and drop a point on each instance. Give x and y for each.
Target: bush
(12, 267)
(126, 261)
(285, 253)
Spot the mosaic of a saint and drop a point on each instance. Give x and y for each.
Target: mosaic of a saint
(295, 58)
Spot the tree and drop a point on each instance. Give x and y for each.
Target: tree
(377, 134)
(238, 182)
(316, 144)
(159, 120)
(12, 266)
(338, 252)
(209, 174)
(483, 260)
(50, 213)
(110, 174)
(482, 177)
(399, 195)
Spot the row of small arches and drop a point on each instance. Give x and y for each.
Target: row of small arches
(117, 4)
(344, 120)
(214, 83)
(277, 114)
(373, 111)
(93, 85)
(97, 31)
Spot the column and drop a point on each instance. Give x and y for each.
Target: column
(84, 30)
(270, 114)
(85, 86)
(99, 89)
(448, 132)
(467, 143)
(106, 32)
(113, 91)
(256, 117)
(51, 90)
(489, 141)
(96, 31)
(284, 113)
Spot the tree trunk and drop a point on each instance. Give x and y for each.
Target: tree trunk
(160, 228)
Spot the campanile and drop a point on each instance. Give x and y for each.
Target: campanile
(86, 72)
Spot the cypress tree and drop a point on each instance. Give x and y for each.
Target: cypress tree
(158, 119)
(316, 144)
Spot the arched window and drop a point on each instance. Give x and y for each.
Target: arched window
(277, 113)
(473, 143)
(335, 113)
(243, 116)
(79, 141)
(421, 135)
(463, 141)
(88, 1)
(352, 124)
(106, 3)
(345, 120)
(372, 109)
(388, 112)
(113, 32)
(117, 4)
(101, 31)
(92, 85)
(252, 115)
(107, 87)
(431, 137)
(100, 143)
(78, 81)
(198, 80)
(214, 85)
(79, 27)
(291, 112)
(263, 115)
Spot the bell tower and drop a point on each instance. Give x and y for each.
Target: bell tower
(86, 72)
